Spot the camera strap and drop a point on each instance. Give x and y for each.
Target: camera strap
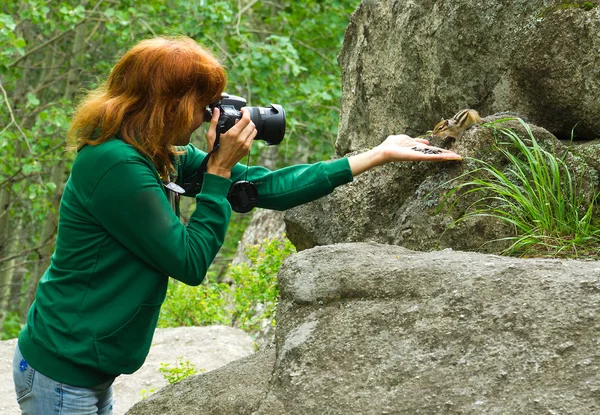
(195, 185)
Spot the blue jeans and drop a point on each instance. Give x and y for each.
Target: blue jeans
(38, 394)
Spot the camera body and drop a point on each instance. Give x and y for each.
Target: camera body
(269, 121)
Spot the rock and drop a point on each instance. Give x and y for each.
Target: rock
(589, 151)
(208, 348)
(408, 203)
(407, 64)
(233, 389)
(8, 405)
(368, 328)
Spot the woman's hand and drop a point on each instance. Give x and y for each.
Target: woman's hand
(399, 148)
(234, 145)
(405, 148)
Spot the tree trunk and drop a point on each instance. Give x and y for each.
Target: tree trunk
(6, 250)
(7, 271)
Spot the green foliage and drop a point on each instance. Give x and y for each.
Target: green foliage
(181, 370)
(173, 374)
(539, 197)
(12, 326)
(256, 283)
(252, 297)
(588, 5)
(195, 306)
(145, 393)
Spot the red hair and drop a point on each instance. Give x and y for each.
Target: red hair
(149, 98)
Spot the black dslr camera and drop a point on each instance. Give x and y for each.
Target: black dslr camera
(269, 121)
(270, 126)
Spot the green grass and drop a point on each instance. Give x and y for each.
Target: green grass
(538, 196)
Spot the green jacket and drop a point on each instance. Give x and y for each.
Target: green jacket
(119, 240)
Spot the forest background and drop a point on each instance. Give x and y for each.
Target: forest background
(52, 52)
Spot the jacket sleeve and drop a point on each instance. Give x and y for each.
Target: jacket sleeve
(130, 204)
(284, 188)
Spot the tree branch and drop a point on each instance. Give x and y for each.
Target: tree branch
(55, 38)
(242, 11)
(25, 252)
(12, 117)
(304, 45)
(24, 176)
(221, 48)
(43, 45)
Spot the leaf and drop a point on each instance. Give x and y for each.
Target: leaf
(20, 43)
(7, 21)
(33, 100)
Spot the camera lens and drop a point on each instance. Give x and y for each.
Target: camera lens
(269, 122)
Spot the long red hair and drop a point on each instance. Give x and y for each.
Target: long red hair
(149, 98)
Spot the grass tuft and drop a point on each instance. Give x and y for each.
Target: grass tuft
(538, 196)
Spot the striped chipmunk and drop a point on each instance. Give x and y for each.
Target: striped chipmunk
(457, 125)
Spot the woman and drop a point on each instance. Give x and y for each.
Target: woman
(119, 239)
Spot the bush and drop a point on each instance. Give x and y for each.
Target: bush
(255, 289)
(251, 299)
(195, 306)
(12, 325)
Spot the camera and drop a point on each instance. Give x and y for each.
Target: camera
(269, 121)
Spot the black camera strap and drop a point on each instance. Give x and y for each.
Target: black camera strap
(195, 185)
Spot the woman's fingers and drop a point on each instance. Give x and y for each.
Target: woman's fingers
(241, 124)
(434, 153)
(211, 134)
(249, 132)
(404, 140)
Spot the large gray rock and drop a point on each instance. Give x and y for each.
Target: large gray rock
(407, 203)
(232, 390)
(376, 329)
(407, 64)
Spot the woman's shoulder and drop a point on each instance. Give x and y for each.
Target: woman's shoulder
(93, 161)
(111, 150)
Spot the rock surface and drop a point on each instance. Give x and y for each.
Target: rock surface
(407, 203)
(208, 348)
(407, 64)
(371, 329)
(231, 390)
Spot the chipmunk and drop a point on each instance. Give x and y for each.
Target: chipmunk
(457, 125)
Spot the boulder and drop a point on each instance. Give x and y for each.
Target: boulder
(233, 389)
(407, 64)
(410, 203)
(367, 328)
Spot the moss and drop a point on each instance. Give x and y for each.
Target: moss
(565, 5)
